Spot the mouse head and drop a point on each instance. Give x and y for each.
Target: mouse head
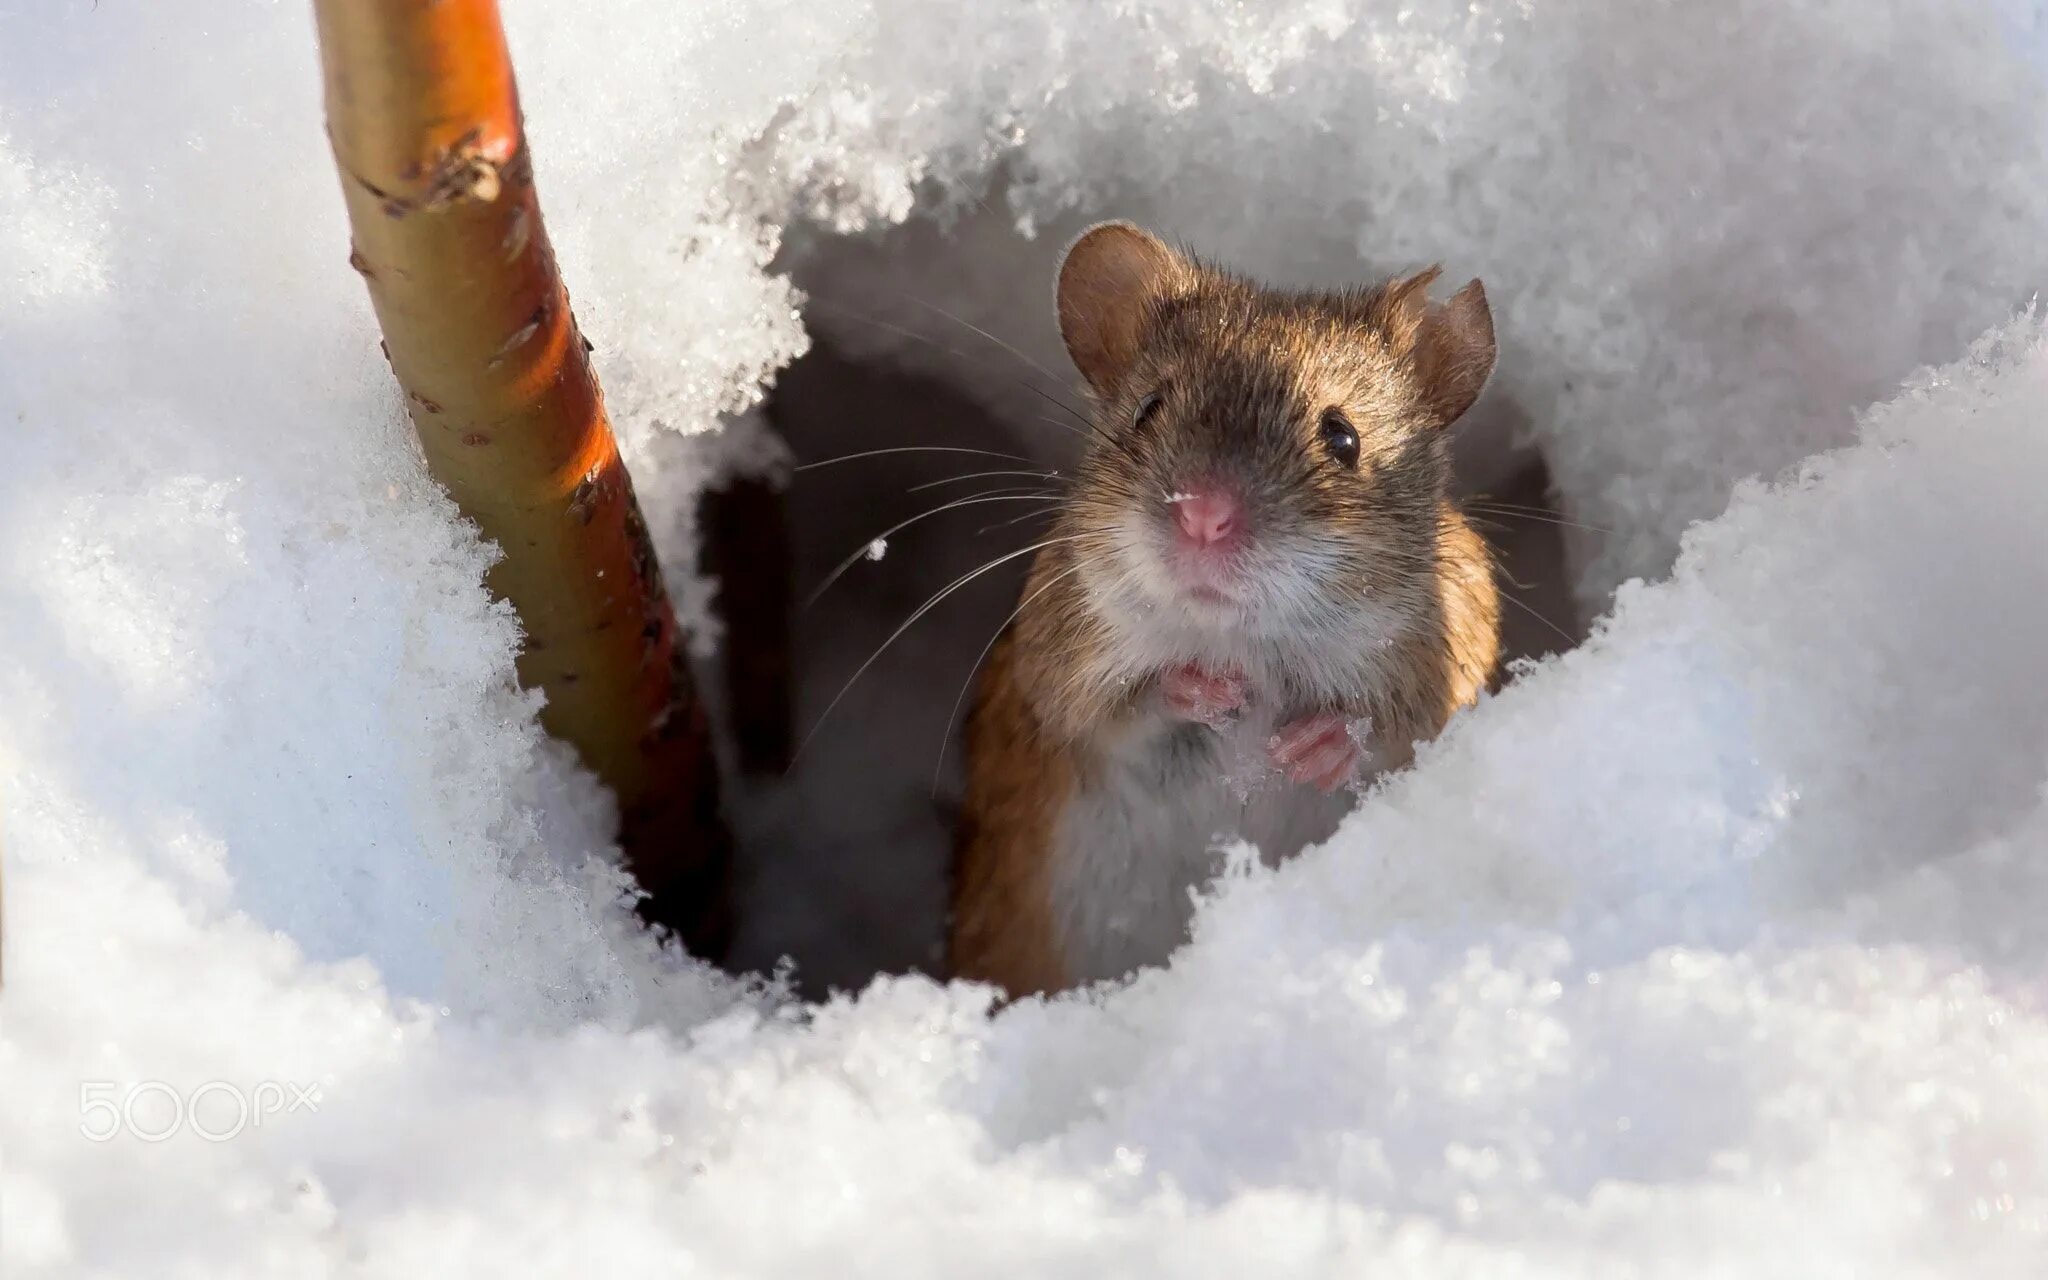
(1263, 462)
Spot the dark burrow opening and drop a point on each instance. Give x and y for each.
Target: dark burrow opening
(843, 857)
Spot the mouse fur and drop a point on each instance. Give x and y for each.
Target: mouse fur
(1358, 605)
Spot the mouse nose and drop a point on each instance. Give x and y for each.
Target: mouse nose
(1206, 516)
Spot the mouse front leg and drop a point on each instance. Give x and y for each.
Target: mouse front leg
(1206, 697)
(1323, 749)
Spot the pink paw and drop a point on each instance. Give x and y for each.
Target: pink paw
(1202, 696)
(1318, 749)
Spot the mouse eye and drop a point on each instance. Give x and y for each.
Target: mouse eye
(1146, 409)
(1339, 439)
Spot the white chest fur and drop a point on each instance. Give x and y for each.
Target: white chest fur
(1145, 829)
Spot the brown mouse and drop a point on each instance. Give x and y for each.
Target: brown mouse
(1256, 593)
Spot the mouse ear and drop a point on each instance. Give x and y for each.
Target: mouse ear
(1109, 279)
(1451, 343)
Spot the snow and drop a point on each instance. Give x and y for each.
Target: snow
(1710, 947)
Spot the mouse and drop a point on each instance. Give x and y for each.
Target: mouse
(1256, 596)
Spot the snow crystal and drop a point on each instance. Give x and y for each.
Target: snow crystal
(1247, 768)
(877, 549)
(1709, 948)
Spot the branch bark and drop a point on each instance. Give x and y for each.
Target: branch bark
(423, 115)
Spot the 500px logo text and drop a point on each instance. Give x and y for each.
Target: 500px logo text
(153, 1110)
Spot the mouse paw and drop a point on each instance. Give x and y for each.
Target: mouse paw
(1203, 696)
(1318, 749)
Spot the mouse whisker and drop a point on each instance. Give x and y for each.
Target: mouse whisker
(946, 734)
(1537, 515)
(977, 329)
(1093, 431)
(937, 599)
(1067, 427)
(1092, 427)
(1051, 507)
(1570, 641)
(1061, 405)
(912, 448)
(1505, 505)
(1088, 428)
(958, 354)
(1531, 513)
(866, 548)
(982, 475)
(1501, 571)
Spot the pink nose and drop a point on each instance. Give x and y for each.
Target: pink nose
(1205, 516)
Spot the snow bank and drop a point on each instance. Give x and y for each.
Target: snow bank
(1709, 230)
(1709, 948)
